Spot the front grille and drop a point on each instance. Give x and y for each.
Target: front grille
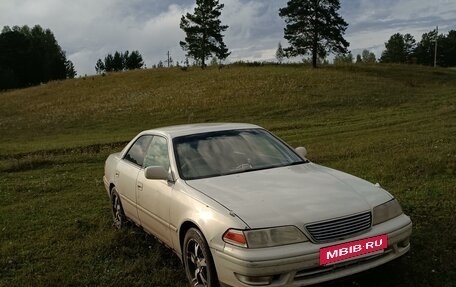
(340, 228)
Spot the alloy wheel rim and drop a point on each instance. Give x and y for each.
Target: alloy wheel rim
(197, 264)
(117, 212)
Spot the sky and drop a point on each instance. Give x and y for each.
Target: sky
(90, 29)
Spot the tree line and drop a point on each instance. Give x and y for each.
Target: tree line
(30, 56)
(120, 62)
(313, 27)
(366, 57)
(405, 50)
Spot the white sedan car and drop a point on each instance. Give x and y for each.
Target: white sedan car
(242, 208)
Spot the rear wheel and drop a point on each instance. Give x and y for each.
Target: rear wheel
(117, 211)
(198, 263)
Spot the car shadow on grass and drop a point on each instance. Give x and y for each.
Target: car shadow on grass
(134, 251)
(386, 275)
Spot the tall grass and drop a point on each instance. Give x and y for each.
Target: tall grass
(390, 124)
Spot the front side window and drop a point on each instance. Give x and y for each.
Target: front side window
(157, 153)
(138, 150)
(228, 152)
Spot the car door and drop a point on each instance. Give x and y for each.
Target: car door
(154, 196)
(127, 172)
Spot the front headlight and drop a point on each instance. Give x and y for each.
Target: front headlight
(259, 238)
(386, 211)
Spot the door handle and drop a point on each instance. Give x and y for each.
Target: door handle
(139, 185)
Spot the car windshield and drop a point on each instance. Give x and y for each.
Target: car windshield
(228, 152)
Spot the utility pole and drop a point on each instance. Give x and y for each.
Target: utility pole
(435, 50)
(169, 60)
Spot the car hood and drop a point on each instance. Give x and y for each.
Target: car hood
(294, 195)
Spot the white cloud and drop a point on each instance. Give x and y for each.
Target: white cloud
(255, 29)
(89, 29)
(373, 22)
(159, 34)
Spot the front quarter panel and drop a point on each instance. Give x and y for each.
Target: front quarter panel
(213, 219)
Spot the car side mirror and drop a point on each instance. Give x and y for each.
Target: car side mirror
(156, 173)
(301, 151)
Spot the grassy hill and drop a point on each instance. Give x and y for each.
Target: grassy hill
(390, 124)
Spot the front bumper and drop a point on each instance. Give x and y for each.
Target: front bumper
(298, 264)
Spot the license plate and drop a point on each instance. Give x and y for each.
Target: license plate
(352, 250)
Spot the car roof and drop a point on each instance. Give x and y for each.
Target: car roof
(183, 130)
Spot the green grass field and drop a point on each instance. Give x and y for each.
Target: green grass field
(395, 125)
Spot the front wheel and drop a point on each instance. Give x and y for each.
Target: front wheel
(198, 263)
(119, 217)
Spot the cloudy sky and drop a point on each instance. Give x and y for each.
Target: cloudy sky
(89, 29)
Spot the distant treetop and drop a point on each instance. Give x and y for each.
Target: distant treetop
(404, 49)
(203, 31)
(119, 62)
(30, 56)
(315, 27)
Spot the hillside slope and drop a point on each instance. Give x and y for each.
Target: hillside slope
(118, 105)
(390, 124)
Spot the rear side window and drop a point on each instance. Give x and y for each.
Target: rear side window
(138, 150)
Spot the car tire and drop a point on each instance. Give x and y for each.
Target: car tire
(198, 262)
(119, 218)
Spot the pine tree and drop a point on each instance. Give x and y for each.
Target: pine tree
(315, 27)
(70, 70)
(394, 52)
(399, 49)
(99, 66)
(280, 53)
(203, 31)
(425, 49)
(409, 47)
(30, 56)
(125, 57)
(134, 61)
(118, 62)
(448, 50)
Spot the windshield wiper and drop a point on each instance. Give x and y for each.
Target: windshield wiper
(297, 163)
